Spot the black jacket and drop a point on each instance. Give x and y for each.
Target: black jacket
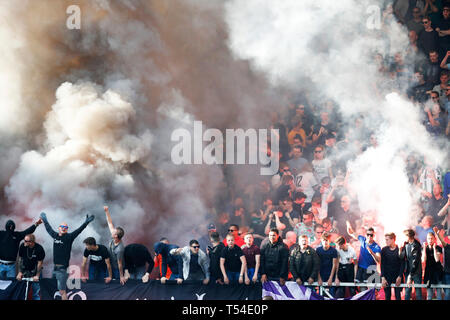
(304, 265)
(9, 242)
(274, 259)
(413, 262)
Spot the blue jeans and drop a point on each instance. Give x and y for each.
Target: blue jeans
(97, 273)
(417, 279)
(447, 281)
(115, 274)
(430, 292)
(36, 290)
(138, 273)
(175, 276)
(7, 271)
(251, 273)
(233, 276)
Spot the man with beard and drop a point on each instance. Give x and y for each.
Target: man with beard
(10, 240)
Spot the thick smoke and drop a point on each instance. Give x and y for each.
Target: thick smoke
(327, 47)
(90, 112)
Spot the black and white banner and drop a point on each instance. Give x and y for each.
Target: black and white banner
(153, 290)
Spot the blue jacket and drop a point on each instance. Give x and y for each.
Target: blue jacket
(175, 263)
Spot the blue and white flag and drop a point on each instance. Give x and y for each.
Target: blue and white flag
(292, 291)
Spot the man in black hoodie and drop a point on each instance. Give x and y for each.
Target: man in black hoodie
(62, 247)
(9, 247)
(274, 259)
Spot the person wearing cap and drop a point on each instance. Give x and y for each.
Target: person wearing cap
(10, 240)
(205, 240)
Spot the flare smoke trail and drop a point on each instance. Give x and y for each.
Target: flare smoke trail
(89, 113)
(328, 47)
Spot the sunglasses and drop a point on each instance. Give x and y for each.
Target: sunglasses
(27, 241)
(231, 230)
(370, 234)
(195, 247)
(317, 151)
(425, 22)
(64, 227)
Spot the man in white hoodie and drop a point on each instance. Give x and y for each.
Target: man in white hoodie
(195, 262)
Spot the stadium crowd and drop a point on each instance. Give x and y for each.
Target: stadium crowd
(304, 223)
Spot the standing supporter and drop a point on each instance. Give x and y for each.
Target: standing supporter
(369, 253)
(274, 259)
(431, 256)
(306, 227)
(328, 263)
(10, 240)
(62, 247)
(232, 263)
(446, 246)
(392, 267)
(31, 259)
(412, 253)
(215, 252)
(253, 257)
(304, 262)
(116, 248)
(348, 265)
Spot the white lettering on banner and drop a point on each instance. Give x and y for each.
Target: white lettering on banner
(71, 295)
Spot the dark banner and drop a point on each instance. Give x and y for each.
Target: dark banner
(153, 290)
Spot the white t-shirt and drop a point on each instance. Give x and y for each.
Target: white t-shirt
(306, 181)
(345, 257)
(321, 168)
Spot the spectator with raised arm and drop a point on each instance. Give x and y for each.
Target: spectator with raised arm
(116, 248)
(195, 262)
(369, 253)
(10, 241)
(446, 246)
(62, 247)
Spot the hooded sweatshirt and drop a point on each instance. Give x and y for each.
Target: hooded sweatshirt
(10, 240)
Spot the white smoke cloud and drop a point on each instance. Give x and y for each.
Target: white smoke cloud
(329, 44)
